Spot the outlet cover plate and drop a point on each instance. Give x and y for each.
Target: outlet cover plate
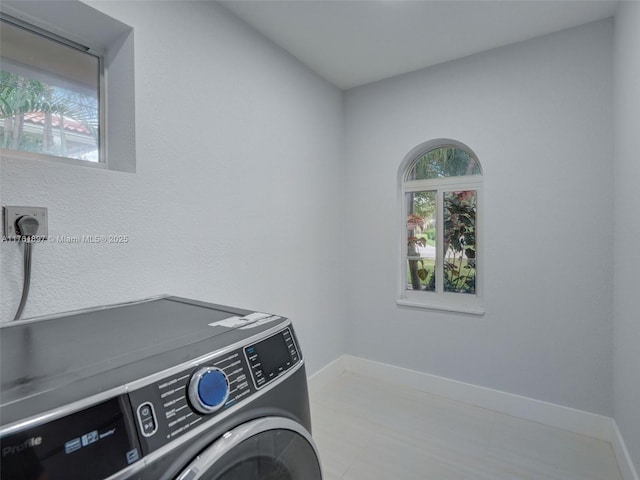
(13, 213)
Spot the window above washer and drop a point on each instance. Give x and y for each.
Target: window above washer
(66, 85)
(50, 94)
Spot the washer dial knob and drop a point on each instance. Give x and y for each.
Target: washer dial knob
(208, 389)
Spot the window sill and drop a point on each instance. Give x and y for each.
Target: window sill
(41, 157)
(472, 308)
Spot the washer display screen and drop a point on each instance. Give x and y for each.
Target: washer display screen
(273, 354)
(91, 444)
(271, 357)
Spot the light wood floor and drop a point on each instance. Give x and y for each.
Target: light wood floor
(366, 430)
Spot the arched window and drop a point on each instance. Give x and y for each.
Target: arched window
(441, 184)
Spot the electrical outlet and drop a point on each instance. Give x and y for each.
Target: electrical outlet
(13, 213)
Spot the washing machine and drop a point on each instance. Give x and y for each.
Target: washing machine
(165, 388)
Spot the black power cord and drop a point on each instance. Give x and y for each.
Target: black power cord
(27, 228)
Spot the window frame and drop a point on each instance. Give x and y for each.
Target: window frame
(439, 299)
(111, 40)
(102, 124)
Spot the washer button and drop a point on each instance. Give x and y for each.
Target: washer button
(147, 419)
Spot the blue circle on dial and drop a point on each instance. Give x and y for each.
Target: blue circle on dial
(213, 388)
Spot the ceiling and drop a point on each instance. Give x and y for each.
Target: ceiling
(354, 42)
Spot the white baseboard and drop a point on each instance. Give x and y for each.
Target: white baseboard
(571, 419)
(576, 421)
(622, 454)
(326, 374)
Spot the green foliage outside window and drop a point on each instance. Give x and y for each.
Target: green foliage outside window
(460, 241)
(443, 162)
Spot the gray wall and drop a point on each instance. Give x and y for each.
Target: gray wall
(539, 116)
(237, 197)
(627, 228)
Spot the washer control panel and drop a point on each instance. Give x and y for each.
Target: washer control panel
(174, 405)
(166, 409)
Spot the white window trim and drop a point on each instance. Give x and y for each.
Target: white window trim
(442, 301)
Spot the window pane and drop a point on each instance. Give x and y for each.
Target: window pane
(443, 162)
(49, 96)
(421, 240)
(460, 241)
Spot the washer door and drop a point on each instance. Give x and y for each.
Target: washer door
(270, 448)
